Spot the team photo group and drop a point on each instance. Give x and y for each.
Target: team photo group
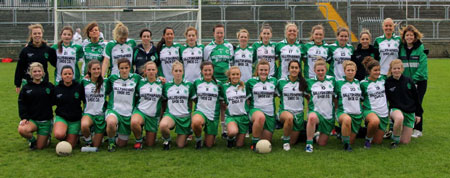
(125, 89)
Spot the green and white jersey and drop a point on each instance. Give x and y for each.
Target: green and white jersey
(208, 94)
(310, 52)
(167, 56)
(92, 51)
(262, 94)
(95, 102)
(291, 98)
(338, 55)
(243, 58)
(150, 94)
(388, 49)
(286, 53)
(115, 51)
(69, 56)
(122, 93)
(220, 55)
(375, 96)
(192, 58)
(349, 96)
(321, 96)
(266, 52)
(178, 98)
(236, 99)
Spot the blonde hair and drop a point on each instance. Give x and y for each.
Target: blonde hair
(391, 65)
(320, 62)
(387, 19)
(264, 27)
(289, 24)
(33, 65)
(347, 63)
(177, 63)
(120, 30)
(143, 67)
(410, 28)
(243, 30)
(314, 28)
(261, 62)
(30, 31)
(228, 73)
(365, 31)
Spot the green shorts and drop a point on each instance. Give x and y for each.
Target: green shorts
(356, 120)
(241, 121)
(150, 123)
(211, 127)
(408, 118)
(325, 125)
(298, 120)
(72, 127)
(383, 120)
(269, 124)
(43, 127)
(123, 122)
(99, 123)
(182, 124)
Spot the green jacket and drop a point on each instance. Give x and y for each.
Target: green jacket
(414, 61)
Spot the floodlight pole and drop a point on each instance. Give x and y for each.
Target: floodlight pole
(199, 21)
(55, 21)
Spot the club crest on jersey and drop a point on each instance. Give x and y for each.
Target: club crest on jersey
(46, 55)
(47, 90)
(76, 95)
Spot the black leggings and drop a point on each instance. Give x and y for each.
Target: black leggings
(421, 89)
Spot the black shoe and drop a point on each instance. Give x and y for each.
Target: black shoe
(33, 145)
(166, 145)
(394, 145)
(198, 145)
(230, 143)
(347, 147)
(224, 135)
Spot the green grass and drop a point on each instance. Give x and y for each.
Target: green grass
(424, 157)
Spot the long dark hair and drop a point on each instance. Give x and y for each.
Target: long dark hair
(301, 79)
(206, 63)
(162, 41)
(61, 41)
(99, 83)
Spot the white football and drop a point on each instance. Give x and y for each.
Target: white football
(263, 146)
(63, 148)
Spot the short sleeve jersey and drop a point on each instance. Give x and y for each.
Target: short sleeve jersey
(375, 96)
(266, 52)
(178, 96)
(291, 98)
(150, 94)
(349, 96)
(69, 56)
(338, 55)
(95, 101)
(321, 93)
(286, 53)
(115, 51)
(262, 94)
(122, 93)
(236, 99)
(388, 49)
(167, 56)
(92, 51)
(243, 58)
(192, 58)
(208, 94)
(220, 55)
(310, 52)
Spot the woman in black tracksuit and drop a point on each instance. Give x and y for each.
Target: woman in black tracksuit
(68, 97)
(145, 51)
(35, 108)
(405, 108)
(363, 50)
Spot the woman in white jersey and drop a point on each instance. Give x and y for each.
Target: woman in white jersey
(67, 54)
(120, 47)
(93, 115)
(243, 55)
(320, 96)
(387, 45)
(311, 50)
(291, 90)
(191, 55)
(349, 111)
(178, 112)
(374, 103)
(168, 52)
(122, 90)
(265, 49)
(147, 111)
(207, 108)
(339, 52)
(262, 93)
(289, 49)
(235, 97)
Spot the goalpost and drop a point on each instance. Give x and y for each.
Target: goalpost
(143, 18)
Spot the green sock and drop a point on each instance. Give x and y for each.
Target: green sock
(396, 139)
(32, 139)
(286, 139)
(346, 139)
(197, 139)
(255, 140)
(310, 142)
(369, 139)
(139, 140)
(112, 140)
